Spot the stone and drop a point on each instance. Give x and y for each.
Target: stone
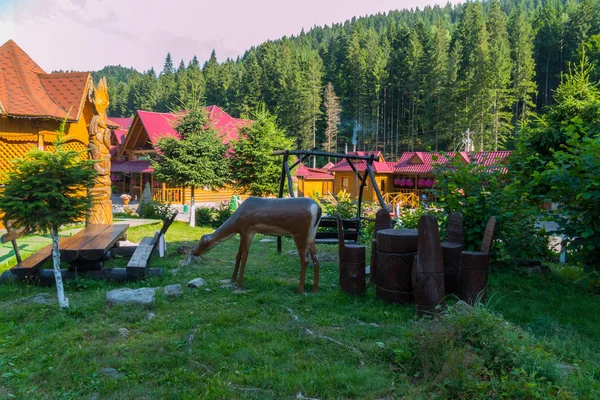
(155, 271)
(175, 271)
(196, 283)
(149, 316)
(142, 296)
(190, 259)
(110, 373)
(7, 277)
(124, 332)
(41, 298)
(173, 290)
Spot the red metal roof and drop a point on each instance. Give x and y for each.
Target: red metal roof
(124, 123)
(379, 167)
(423, 162)
(26, 90)
(137, 166)
(312, 173)
(158, 125)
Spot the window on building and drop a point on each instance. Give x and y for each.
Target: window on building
(382, 186)
(344, 183)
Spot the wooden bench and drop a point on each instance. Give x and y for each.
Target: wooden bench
(140, 261)
(88, 245)
(350, 230)
(31, 264)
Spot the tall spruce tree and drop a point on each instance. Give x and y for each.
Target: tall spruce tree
(197, 158)
(256, 170)
(523, 71)
(499, 74)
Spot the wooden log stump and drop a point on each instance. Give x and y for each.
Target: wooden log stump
(352, 264)
(396, 249)
(383, 220)
(428, 268)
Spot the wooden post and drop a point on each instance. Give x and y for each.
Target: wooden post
(281, 183)
(372, 176)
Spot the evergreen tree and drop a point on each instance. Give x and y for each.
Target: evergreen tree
(523, 71)
(255, 169)
(47, 190)
(197, 158)
(211, 72)
(167, 87)
(250, 90)
(499, 74)
(196, 86)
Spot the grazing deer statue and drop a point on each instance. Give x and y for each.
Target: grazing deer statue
(297, 217)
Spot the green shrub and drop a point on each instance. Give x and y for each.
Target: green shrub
(213, 216)
(156, 210)
(340, 204)
(480, 192)
(475, 353)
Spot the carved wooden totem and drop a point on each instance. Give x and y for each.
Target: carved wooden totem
(99, 150)
(452, 252)
(428, 269)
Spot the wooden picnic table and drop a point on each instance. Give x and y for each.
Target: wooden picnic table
(92, 243)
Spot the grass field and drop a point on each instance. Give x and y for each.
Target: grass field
(267, 342)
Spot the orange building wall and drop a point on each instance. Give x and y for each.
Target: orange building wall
(314, 187)
(369, 194)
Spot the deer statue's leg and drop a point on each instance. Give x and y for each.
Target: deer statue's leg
(245, 241)
(301, 245)
(315, 260)
(237, 262)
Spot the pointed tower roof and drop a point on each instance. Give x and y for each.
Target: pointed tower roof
(26, 90)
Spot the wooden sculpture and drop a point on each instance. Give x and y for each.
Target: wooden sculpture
(352, 263)
(297, 217)
(99, 150)
(452, 252)
(396, 251)
(473, 275)
(428, 269)
(383, 220)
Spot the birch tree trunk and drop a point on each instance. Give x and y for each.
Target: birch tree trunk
(63, 302)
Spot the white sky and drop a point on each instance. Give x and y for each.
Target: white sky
(89, 34)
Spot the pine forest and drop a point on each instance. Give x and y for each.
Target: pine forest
(458, 77)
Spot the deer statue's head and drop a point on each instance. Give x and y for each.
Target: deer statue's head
(206, 243)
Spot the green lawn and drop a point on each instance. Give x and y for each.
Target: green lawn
(264, 343)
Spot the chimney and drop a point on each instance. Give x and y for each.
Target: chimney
(346, 150)
(354, 148)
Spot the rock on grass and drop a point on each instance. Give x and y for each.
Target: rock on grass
(142, 296)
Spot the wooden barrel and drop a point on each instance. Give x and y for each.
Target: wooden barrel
(428, 269)
(452, 255)
(396, 249)
(473, 276)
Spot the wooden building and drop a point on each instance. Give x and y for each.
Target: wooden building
(405, 181)
(33, 105)
(314, 182)
(131, 165)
